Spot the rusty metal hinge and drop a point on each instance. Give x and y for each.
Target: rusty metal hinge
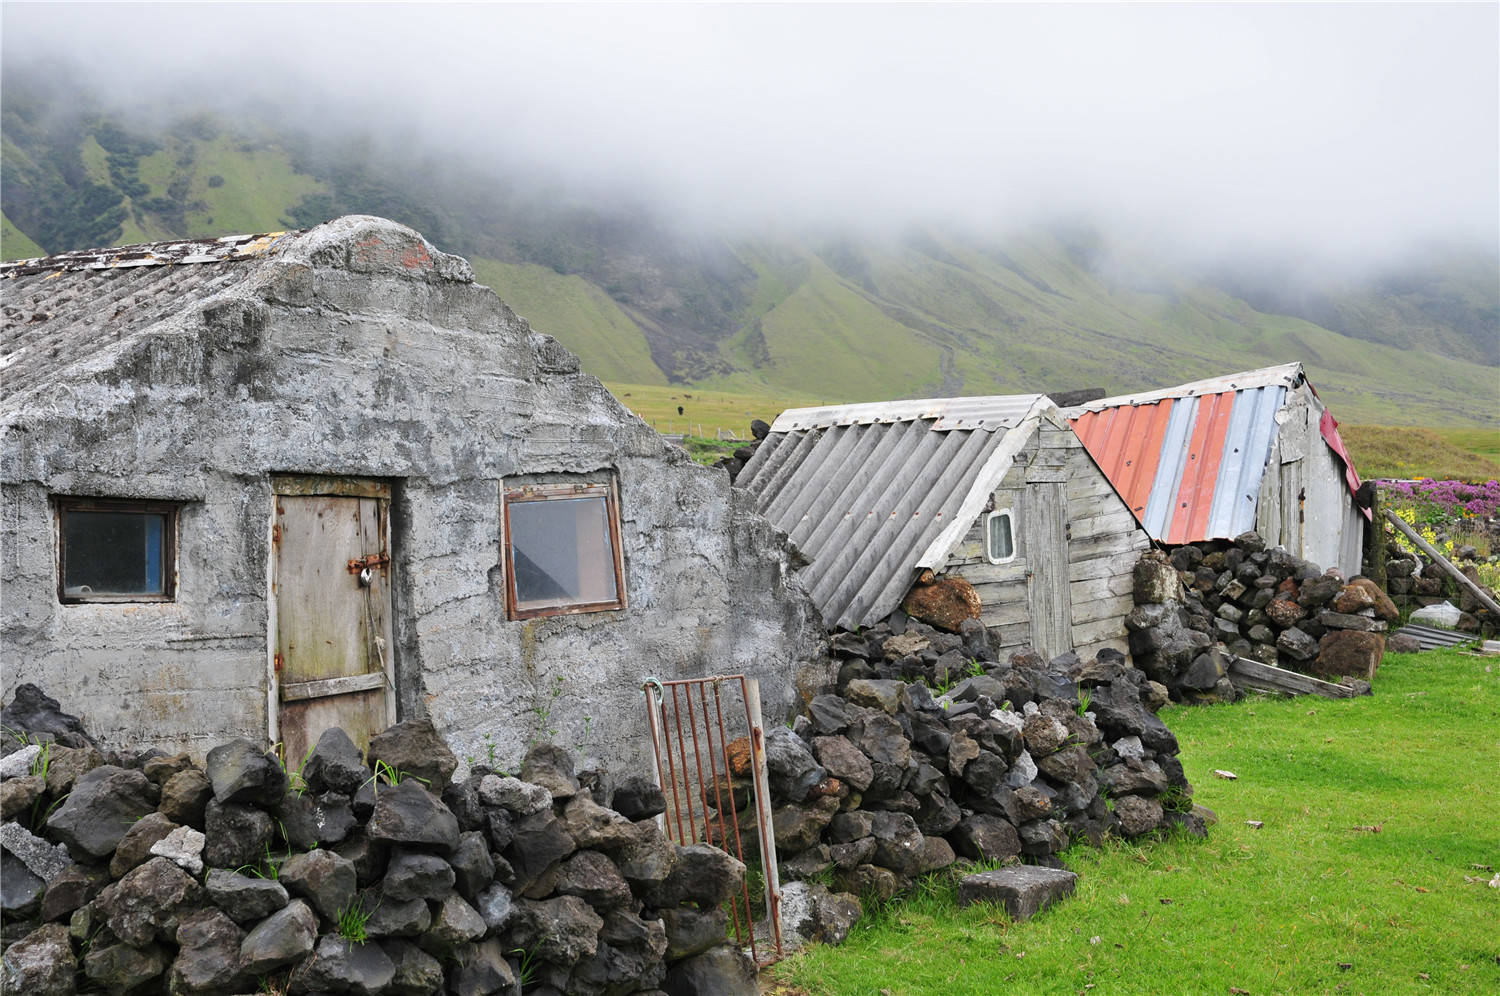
(280, 662)
(370, 560)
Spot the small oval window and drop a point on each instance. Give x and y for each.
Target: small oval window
(999, 537)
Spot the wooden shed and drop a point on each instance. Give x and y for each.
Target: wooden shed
(996, 490)
(1216, 458)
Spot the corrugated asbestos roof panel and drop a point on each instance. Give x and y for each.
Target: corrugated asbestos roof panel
(988, 412)
(866, 498)
(1190, 465)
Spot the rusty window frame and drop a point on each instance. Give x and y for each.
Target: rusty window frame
(63, 505)
(553, 492)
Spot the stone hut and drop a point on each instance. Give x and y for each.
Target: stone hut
(1216, 458)
(997, 491)
(261, 486)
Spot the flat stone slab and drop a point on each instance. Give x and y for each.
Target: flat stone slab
(1024, 890)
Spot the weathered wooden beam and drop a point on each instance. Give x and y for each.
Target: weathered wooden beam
(1443, 562)
(1265, 677)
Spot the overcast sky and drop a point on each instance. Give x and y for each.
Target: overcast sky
(1345, 130)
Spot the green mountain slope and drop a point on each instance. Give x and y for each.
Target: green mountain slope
(930, 313)
(580, 315)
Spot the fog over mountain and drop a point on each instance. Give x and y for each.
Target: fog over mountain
(1328, 137)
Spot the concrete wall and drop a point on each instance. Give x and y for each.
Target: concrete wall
(361, 350)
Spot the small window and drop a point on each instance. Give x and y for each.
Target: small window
(562, 550)
(999, 537)
(116, 551)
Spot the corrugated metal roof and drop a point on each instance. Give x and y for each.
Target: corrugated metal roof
(1188, 460)
(872, 493)
(993, 412)
(1430, 637)
(1284, 375)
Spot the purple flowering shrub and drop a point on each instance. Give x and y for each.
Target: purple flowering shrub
(1443, 503)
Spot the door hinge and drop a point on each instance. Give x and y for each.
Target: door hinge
(280, 662)
(372, 560)
(276, 534)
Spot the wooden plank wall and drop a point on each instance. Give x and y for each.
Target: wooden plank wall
(1104, 542)
(1099, 543)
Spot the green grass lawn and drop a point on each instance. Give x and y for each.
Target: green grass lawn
(1381, 828)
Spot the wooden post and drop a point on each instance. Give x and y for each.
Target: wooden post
(1479, 593)
(1376, 552)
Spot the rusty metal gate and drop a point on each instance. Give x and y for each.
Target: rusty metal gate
(702, 770)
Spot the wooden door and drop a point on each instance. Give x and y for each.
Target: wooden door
(1044, 524)
(331, 578)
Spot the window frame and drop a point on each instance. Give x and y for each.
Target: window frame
(1015, 548)
(65, 504)
(522, 494)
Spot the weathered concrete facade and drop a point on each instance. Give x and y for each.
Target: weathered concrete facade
(356, 349)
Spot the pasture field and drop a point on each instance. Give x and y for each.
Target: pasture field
(1369, 873)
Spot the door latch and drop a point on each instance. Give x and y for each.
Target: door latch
(362, 565)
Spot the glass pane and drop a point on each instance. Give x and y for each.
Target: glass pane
(561, 552)
(113, 553)
(1002, 544)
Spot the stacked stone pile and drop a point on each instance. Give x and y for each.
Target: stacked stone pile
(1205, 601)
(148, 873)
(1415, 582)
(735, 462)
(930, 750)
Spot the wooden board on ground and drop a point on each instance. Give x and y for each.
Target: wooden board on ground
(1266, 678)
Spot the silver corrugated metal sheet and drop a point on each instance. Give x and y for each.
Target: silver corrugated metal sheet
(1430, 637)
(870, 493)
(1283, 375)
(1189, 461)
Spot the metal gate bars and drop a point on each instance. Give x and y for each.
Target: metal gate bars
(696, 766)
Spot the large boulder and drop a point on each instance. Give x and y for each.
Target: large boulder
(408, 814)
(335, 764)
(149, 903)
(242, 772)
(413, 747)
(412, 875)
(1362, 593)
(282, 938)
(103, 805)
(791, 767)
(185, 797)
(325, 879)
(244, 898)
(235, 835)
(1024, 890)
(33, 711)
(702, 874)
(1349, 653)
(41, 963)
(340, 965)
(942, 602)
(209, 955)
(563, 930)
(122, 967)
(551, 767)
(135, 847)
(724, 970)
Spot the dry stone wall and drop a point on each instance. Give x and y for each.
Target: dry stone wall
(929, 751)
(149, 873)
(1205, 601)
